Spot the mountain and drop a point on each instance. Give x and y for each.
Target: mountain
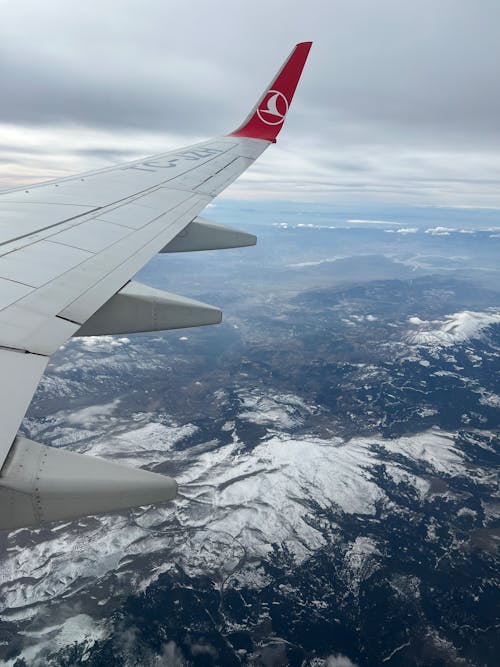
(336, 444)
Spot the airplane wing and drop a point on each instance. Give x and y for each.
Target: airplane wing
(68, 251)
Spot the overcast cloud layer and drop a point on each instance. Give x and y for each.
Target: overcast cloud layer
(400, 100)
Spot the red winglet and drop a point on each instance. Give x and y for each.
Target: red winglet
(267, 117)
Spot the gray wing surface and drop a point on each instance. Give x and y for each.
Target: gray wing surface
(68, 251)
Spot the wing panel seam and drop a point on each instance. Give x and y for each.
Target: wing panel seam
(117, 203)
(42, 229)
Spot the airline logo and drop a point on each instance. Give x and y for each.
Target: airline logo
(273, 108)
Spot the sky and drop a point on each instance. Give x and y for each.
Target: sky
(399, 101)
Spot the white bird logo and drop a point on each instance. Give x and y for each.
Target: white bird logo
(268, 111)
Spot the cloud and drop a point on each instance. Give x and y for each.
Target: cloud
(102, 341)
(327, 260)
(171, 656)
(440, 231)
(380, 115)
(373, 222)
(91, 416)
(402, 230)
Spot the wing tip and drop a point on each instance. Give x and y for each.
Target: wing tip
(267, 117)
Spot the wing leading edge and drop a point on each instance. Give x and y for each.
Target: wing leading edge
(68, 251)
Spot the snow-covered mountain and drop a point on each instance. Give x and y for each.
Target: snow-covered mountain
(336, 443)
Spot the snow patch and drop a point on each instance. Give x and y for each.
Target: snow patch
(278, 410)
(234, 503)
(77, 629)
(456, 328)
(490, 399)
